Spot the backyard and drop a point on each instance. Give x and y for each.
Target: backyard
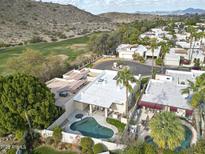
(71, 48)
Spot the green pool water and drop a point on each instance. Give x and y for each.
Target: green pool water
(184, 145)
(90, 127)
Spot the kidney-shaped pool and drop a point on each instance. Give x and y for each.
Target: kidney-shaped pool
(90, 127)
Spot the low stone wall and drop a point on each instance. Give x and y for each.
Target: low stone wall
(59, 121)
(73, 138)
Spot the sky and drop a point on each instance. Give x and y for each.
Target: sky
(131, 6)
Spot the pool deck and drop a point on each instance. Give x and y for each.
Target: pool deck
(98, 117)
(194, 133)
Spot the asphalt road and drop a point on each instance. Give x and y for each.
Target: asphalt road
(136, 68)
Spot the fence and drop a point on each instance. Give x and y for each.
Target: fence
(75, 139)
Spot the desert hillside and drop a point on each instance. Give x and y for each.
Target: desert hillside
(22, 20)
(127, 17)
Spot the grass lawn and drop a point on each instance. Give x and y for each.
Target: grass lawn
(71, 48)
(120, 126)
(50, 150)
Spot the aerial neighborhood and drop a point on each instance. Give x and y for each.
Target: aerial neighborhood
(111, 83)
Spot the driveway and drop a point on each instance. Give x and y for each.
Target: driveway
(136, 68)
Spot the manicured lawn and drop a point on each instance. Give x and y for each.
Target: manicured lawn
(50, 150)
(120, 126)
(71, 48)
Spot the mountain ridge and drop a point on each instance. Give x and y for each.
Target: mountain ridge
(21, 20)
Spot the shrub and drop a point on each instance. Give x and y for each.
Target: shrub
(49, 140)
(37, 39)
(98, 148)
(19, 134)
(138, 58)
(57, 134)
(11, 151)
(120, 126)
(159, 61)
(86, 144)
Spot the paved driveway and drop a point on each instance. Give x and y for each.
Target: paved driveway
(136, 68)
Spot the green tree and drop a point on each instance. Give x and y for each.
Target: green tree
(22, 95)
(125, 77)
(153, 44)
(57, 134)
(199, 148)
(86, 144)
(167, 130)
(99, 148)
(196, 90)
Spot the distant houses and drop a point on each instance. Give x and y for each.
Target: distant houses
(126, 51)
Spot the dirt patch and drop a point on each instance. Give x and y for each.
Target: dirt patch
(78, 46)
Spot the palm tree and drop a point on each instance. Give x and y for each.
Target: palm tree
(167, 130)
(196, 91)
(125, 77)
(197, 36)
(153, 44)
(192, 32)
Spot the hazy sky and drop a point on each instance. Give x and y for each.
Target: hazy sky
(131, 6)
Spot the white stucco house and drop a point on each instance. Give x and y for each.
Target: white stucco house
(175, 55)
(164, 92)
(104, 94)
(126, 51)
(156, 52)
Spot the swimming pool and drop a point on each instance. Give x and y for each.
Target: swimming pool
(184, 145)
(90, 127)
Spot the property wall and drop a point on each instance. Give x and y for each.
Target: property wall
(73, 138)
(80, 106)
(171, 62)
(118, 108)
(125, 55)
(70, 106)
(59, 121)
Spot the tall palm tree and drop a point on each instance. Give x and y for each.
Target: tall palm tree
(192, 32)
(167, 130)
(196, 90)
(125, 77)
(153, 44)
(197, 36)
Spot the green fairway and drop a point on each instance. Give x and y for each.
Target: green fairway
(56, 48)
(49, 150)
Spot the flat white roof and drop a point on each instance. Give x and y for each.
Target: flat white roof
(168, 92)
(165, 93)
(103, 91)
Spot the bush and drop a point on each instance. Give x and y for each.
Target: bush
(98, 148)
(159, 61)
(19, 134)
(11, 151)
(57, 134)
(37, 39)
(138, 58)
(120, 126)
(49, 140)
(86, 144)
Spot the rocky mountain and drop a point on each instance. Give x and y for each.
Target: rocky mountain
(127, 17)
(190, 11)
(22, 20)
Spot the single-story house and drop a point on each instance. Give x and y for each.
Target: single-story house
(104, 94)
(155, 54)
(174, 56)
(126, 51)
(164, 92)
